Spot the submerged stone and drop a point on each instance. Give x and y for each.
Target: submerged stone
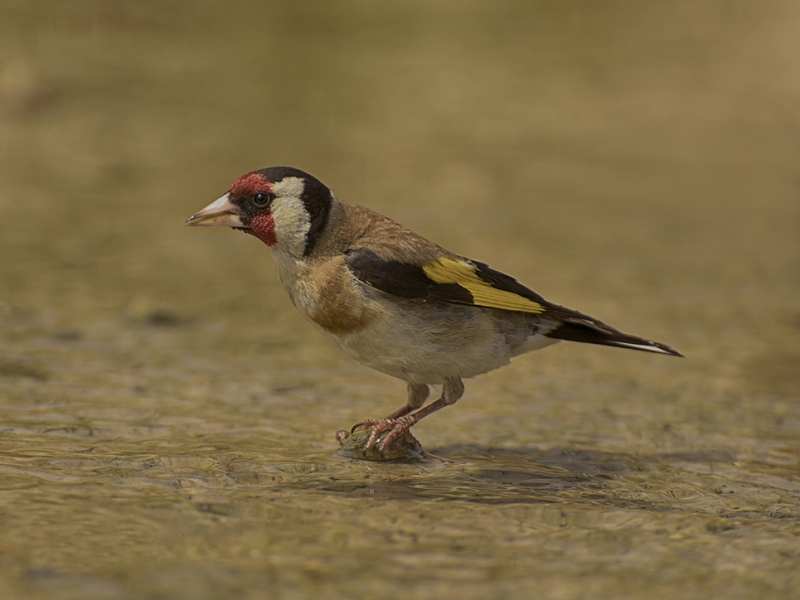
(354, 446)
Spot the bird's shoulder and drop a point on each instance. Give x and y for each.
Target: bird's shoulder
(392, 241)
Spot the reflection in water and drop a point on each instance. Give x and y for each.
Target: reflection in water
(167, 421)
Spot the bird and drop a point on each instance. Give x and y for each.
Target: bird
(393, 300)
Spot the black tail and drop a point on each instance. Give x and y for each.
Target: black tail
(577, 327)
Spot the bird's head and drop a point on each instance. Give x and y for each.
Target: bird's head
(282, 206)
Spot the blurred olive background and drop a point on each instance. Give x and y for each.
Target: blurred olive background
(167, 419)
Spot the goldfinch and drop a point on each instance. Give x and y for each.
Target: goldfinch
(393, 300)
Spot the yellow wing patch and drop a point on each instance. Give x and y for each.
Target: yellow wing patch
(451, 270)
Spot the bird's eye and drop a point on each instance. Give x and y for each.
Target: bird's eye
(261, 199)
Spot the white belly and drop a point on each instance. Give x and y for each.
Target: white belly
(427, 343)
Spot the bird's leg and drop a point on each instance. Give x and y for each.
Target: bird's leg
(417, 394)
(396, 424)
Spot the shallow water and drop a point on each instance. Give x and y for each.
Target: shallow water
(167, 421)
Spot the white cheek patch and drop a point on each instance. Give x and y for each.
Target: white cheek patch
(292, 221)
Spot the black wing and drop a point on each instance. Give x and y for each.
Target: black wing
(404, 280)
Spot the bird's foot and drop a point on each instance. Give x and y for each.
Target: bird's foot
(394, 428)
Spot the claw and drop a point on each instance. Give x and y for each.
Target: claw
(398, 428)
(377, 430)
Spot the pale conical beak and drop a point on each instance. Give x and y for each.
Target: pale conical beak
(221, 212)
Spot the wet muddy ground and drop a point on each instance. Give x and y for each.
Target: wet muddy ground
(167, 420)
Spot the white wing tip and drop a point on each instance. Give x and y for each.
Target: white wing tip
(649, 348)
